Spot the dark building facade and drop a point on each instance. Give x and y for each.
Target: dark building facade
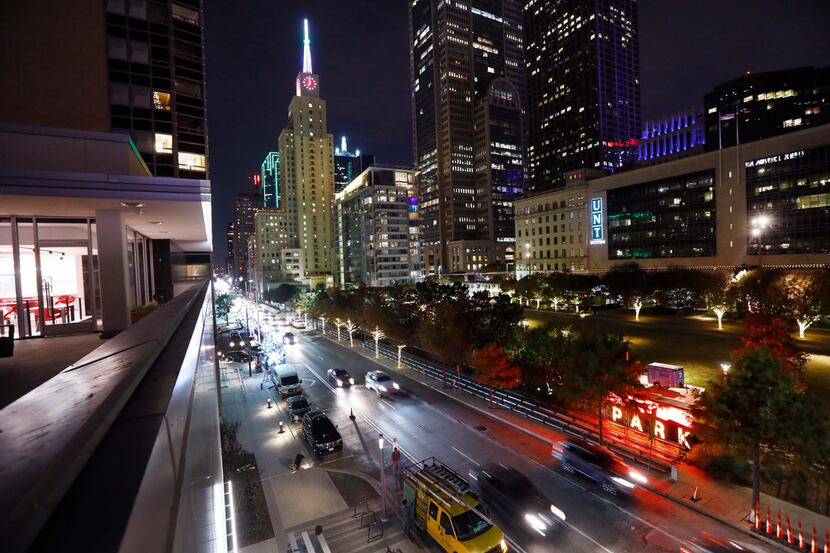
(143, 75)
(245, 207)
(348, 165)
(762, 105)
(583, 87)
(457, 50)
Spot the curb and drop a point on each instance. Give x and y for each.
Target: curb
(651, 489)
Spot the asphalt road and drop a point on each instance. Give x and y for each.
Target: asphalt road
(427, 423)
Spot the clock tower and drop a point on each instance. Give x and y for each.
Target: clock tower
(308, 83)
(307, 182)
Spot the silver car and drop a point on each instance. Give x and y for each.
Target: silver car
(381, 383)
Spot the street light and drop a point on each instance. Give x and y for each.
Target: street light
(383, 474)
(400, 348)
(725, 367)
(757, 227)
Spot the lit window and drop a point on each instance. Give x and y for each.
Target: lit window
(191, 162)
(164, 143)
(161, 100)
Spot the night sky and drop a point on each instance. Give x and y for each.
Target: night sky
(360, 49)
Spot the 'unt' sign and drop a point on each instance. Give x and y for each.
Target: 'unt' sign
(597, 222)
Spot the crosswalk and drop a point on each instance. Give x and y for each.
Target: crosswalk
(349, 531)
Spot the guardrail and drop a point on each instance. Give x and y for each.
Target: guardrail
(574, 423)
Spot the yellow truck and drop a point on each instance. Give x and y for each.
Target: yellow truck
(444, 508)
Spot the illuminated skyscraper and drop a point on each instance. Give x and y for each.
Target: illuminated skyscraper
(307, 177)
(270, 176)
(583, 85)
(348, 165)
(463, 54)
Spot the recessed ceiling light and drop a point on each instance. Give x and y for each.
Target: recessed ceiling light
(132, 204)
(156, 222)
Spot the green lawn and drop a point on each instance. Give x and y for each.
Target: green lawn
(699, 354)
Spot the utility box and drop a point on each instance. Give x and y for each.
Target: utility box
(666, 376)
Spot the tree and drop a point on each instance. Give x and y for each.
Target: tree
(760, 408)
(774, 332)
(805, 297)
(598, 366)
(493, 367)
(542, 353)
(718, 293)
(350, 328)
(630, 283)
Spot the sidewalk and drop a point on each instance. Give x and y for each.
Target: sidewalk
(298, 502)
(725, 502)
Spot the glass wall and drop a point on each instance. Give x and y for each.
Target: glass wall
(793, 190)
(48, 275)
(672, 217)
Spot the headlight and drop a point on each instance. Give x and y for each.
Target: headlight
(557, 511)
(536, 523)
(351, 381)
(638, 477)
(233, 345)
(339, 382)
(622, 482)
(503, 546)
(395, 385)
(382, 388)
(241, 343)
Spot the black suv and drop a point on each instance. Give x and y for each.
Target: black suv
(321, 434)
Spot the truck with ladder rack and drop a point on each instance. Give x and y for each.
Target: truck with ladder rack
(446, 510)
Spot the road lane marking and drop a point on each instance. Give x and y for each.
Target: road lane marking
(586, 536)
(557, 475)
(335, 460)
(476, 463)
(389, 404)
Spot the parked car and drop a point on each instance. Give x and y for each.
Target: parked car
(381, 383)
(597, 463)
(339, 377)
(288, 338)
(297, 407)
(321, 434)
(298, 323)
(287, 380)
(238, 356)
(508, 492)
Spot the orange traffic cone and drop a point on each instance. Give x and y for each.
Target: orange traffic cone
(769, 520)
(814, 541)
(789, 530)
(827, 541)
(778, 531)
(800, 536)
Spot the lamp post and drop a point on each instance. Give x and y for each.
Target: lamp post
(757, 227)
(383, 474)
(400, 348)
(323, 319)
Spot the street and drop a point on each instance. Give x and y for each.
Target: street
(426, 423)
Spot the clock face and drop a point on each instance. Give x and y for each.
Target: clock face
(309, 82)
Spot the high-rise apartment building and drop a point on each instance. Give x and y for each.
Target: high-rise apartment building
(269, 174)
(762, 105)
(462, 54)
(583, 87)
(348, 165)
(376, 229)
(307, 176)
(142, 74)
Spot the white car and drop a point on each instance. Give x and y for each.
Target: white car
(381, 383)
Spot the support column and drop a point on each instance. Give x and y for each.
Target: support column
(112, 266)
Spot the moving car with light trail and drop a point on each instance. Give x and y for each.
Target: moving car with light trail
(381, 383)
(597, 463)
(339, 377)
(446, 511)
(509, 493)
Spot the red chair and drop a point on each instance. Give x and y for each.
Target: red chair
(49, 315)
(9, 311)
(65, 300)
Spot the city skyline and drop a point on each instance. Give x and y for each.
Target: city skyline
(671, 78)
